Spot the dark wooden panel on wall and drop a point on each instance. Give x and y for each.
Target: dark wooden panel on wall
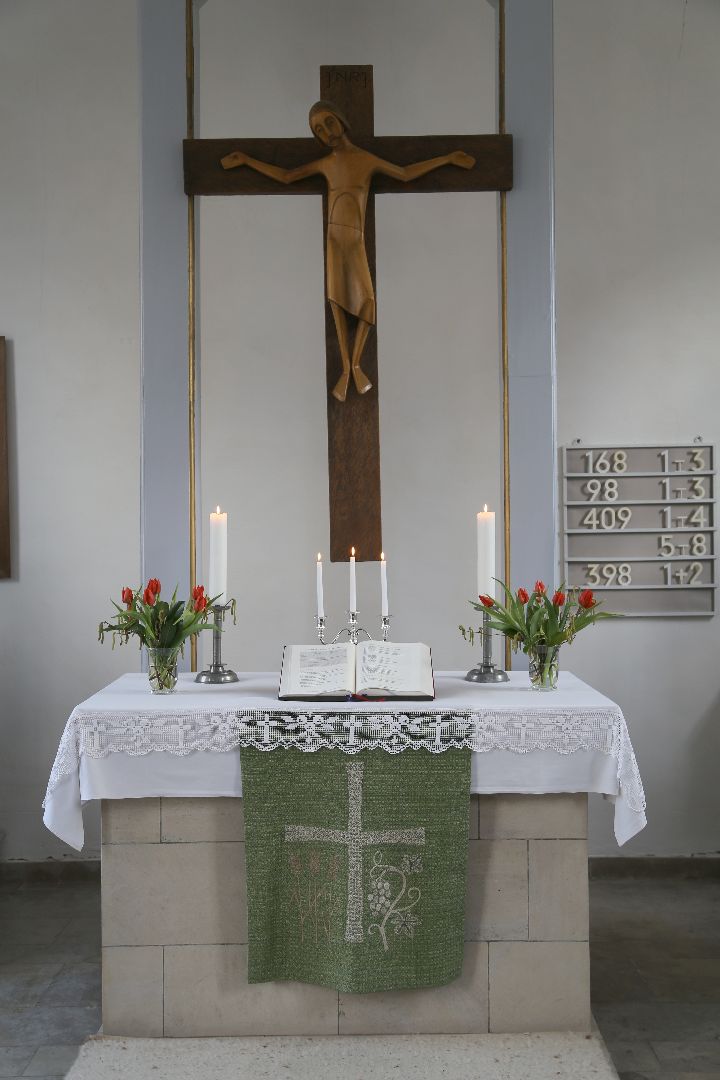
(4, 475)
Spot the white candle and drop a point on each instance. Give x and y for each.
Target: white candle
(353, 583)
(383, 585)
(486, 553)
(319, 582)
(217, 572)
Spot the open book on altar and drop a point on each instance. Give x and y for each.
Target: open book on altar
(374, 669)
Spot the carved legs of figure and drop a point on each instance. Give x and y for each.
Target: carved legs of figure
(341, 386)
(362, 383)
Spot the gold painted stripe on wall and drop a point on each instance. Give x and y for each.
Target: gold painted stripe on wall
(192, 379)
(504, 322)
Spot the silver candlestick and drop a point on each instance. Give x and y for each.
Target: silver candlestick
(320, 624)
(217, 672)
(487, 672)
(385, 620)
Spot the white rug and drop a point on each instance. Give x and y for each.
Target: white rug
(548, 1056)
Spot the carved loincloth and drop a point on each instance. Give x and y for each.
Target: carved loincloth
(348, 274)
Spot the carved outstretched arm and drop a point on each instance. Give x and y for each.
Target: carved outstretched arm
(275, 172)
(405, 173)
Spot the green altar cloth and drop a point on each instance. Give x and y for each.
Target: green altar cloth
(356, 866)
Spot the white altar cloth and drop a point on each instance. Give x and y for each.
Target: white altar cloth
(125, 742)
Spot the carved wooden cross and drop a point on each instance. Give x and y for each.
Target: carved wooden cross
(353, 425)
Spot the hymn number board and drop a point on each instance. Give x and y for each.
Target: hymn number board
(640, 526)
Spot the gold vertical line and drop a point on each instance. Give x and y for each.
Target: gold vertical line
(504, 321)
(505, 400)
(192, 382)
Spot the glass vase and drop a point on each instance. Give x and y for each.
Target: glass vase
(543, 667)
(162, 670)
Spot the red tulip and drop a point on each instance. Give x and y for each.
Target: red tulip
(198, 591)
(522, 596)
(487, 601)
(586, 599)
(200, 603)
(127, 596)
(540, 588)
(154, 586)
(559, 598)
(149, 597)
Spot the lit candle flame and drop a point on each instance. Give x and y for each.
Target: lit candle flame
(485, 509)
(382, 556)
(319, 557)
(352, 552)
(218, 510)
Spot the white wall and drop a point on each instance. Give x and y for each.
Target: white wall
(637, 240)
(69, 309)
(262, 350)
(638, 279)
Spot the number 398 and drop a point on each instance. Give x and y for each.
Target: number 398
(609, 574)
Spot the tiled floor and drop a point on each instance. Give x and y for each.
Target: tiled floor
(655, 949)
(655, 967)
(49, 975)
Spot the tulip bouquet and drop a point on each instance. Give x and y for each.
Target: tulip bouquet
(161, 626)
(538, 624)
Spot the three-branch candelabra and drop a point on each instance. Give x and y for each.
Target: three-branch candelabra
(353, 630)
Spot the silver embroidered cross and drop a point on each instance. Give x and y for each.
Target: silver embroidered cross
(355, 839)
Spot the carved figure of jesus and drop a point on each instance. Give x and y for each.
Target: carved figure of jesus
(348, 171)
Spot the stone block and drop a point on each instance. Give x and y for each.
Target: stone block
(496, 907)
(539, 986)
(473, 824)
(167, 894)
(130, 821)
(132, 991)
(207, 994)
(504, 817)
(461, 1007)
(558, 883)
(187, 821)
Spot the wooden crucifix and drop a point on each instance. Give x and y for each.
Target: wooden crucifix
(344, 177)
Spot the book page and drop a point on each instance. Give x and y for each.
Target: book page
(400, 668)
(312, 670)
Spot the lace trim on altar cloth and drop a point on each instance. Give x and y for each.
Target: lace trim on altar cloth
(98, 734)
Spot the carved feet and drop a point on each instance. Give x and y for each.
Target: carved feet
(362, 383)
(341, 386)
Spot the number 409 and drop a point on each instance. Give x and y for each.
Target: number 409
(610, 517)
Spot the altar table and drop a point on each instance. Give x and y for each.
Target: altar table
(173, 905)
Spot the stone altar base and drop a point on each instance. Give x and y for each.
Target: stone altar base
(174, 929)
